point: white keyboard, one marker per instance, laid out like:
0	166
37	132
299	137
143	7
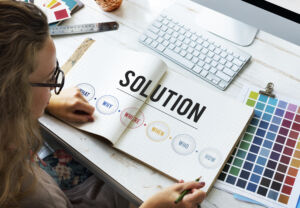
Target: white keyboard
201	53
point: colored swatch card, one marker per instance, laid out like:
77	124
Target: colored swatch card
265	164
71	4
55	10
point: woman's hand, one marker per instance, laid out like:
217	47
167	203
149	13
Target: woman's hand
166	197
70	105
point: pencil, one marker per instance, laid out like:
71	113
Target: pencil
185	192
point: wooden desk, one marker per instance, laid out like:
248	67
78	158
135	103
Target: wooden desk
273	60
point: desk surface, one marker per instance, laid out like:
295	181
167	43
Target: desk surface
273	60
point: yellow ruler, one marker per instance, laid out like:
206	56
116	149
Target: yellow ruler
77	54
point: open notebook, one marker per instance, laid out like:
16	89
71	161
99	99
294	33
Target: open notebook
160	117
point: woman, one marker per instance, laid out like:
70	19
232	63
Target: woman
29	71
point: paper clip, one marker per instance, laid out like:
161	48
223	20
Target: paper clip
268	90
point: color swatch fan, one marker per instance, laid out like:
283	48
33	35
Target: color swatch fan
265	164
56	10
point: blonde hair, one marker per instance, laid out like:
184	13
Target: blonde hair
23	32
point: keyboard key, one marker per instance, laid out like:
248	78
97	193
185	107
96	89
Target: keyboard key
223	76
187	41
160	39
151	35
201	63
213	70
229	58
203	73
172	40
228	72
164	28
197	69
160	47
196	53
192	44
210	77
171	46
194	37
211	47
195	60
176	28
235	68
181	37
204	51
165	43
183	53
148	41
207	60
217	51
143	37
222	61
228	64
157	24
223	54
169	31
202	57
190	50
154	44
206	67
199	47
216	57
205	44
222	84
167	36
210	54
243	59
189	56
186	63
177	50
175	34
184	47
214	63
237	62
154	29
220	67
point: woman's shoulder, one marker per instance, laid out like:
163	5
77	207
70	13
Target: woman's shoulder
46	192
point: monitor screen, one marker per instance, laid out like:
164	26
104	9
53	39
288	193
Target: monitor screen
278	17
289	9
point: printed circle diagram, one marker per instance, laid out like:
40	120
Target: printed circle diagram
87	90
157	131
133	117
107	104
210	158
183	144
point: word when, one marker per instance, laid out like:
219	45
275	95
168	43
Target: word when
158	131
173	100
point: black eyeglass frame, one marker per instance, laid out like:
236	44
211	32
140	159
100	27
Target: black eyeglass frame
55	76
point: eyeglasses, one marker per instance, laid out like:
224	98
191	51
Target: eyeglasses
57	81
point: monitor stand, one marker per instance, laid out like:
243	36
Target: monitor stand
227	27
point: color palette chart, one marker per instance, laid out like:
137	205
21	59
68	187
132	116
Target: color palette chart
265	164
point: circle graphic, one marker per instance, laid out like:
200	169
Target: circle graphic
183	144
132	117
157	131
210	158
107	104
87	90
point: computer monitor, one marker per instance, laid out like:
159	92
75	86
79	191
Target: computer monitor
278	17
